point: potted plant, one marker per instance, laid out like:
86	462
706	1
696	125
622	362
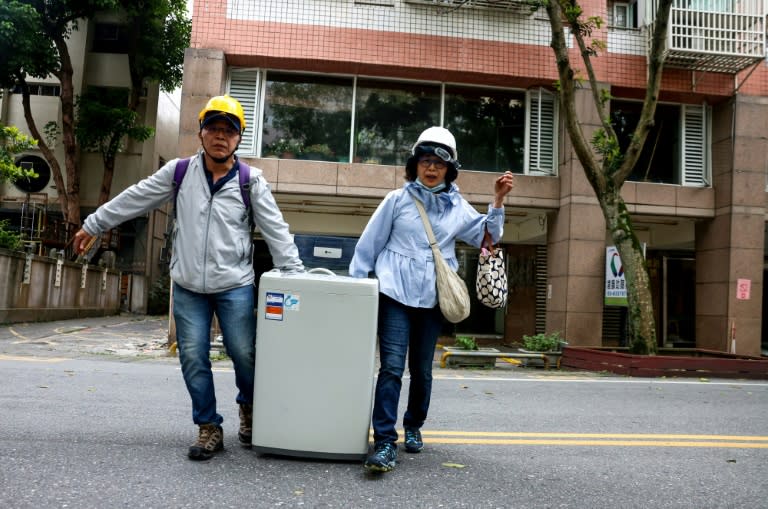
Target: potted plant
318	152
550	344
468	344
543	342
285	148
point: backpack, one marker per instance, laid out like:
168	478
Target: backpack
243	170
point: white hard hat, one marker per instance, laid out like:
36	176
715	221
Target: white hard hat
439	135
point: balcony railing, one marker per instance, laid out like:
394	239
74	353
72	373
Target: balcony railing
519	6
716	35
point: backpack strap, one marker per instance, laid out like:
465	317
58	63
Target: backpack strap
244	171
178	176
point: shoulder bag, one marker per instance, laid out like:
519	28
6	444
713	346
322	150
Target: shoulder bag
452	293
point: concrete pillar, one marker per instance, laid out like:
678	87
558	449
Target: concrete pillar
576	246
730	247
205	73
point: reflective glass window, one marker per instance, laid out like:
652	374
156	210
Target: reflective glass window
390	116
307	117
489	126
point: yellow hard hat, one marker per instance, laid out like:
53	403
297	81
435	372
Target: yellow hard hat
223	106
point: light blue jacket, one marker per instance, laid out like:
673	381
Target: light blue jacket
212	243
394	244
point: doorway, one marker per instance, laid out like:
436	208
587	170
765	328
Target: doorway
679	302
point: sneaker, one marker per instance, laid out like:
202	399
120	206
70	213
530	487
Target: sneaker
209	441
413	442
246	425
383	458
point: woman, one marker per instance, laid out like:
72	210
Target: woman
394	247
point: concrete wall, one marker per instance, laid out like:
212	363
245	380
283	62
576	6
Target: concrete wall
31	292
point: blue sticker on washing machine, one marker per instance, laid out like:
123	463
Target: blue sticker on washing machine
292	302
275	305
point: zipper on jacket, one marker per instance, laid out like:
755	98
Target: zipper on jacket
205	248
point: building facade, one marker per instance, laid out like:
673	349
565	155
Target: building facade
100	60
336	91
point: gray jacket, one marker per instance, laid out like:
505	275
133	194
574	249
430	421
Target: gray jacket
212	247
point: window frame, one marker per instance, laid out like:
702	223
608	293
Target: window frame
698	117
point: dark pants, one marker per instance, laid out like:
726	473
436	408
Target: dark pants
404	330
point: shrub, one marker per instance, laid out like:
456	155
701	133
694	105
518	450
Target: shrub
466	343
543	342
159	296
8	238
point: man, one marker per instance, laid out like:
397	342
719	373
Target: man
211	264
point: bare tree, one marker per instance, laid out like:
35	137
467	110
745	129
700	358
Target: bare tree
607	166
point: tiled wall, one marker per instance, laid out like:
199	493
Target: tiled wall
407	40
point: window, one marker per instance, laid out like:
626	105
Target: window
489	126
376	121
622	15
389	116
676	150
110	38
307	117
39	89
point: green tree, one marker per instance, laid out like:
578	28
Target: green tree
33	42
12	142
605	164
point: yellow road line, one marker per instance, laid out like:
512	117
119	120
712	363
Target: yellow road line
595	439
651	436
613	443
10	329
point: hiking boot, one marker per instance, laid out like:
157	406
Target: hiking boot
210	440
246	425
383	458
413	442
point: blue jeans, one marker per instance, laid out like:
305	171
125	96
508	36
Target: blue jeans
404	330
193	314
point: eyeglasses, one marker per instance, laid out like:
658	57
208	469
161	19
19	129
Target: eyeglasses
227	131
439	164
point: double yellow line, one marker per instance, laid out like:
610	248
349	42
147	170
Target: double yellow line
594	439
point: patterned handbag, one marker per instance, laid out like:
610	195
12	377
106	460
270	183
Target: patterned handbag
491	283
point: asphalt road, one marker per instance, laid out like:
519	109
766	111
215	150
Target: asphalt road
81	428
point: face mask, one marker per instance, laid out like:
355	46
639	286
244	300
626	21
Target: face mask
439	187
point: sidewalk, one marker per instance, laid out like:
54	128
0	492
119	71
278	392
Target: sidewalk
125	335
139	337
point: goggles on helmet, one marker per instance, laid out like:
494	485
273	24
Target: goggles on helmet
437	150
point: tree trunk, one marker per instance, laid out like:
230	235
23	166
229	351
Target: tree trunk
642	324
72	212
48	154
106	179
